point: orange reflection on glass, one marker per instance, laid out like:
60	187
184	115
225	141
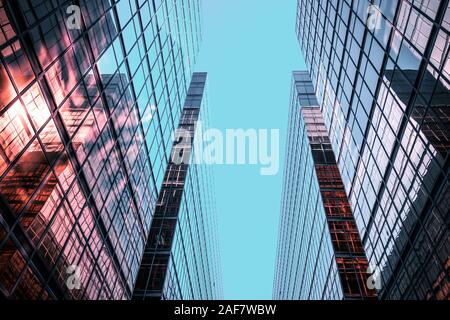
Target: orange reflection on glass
62	76
52	41
36	106
354	277
24	178
15	133
16	275
441	286
7	92
60	216
74	110
6	30
53	145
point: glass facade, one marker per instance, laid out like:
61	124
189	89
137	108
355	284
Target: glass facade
303	220
87	114
381	70
320	253
181	257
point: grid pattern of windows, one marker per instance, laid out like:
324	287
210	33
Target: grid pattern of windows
195	270
306	265
350	256
181	257
86	117
383	87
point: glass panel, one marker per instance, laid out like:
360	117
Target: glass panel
15	133
7	93
36	106
18	65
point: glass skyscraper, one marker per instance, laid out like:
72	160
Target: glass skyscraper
381	74
320	254
184	223
90	97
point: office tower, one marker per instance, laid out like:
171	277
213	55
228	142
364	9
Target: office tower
90	96
180	259
381	74
320	254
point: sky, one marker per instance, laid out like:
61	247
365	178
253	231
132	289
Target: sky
249	50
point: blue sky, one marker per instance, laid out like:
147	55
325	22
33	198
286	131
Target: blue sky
249	50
